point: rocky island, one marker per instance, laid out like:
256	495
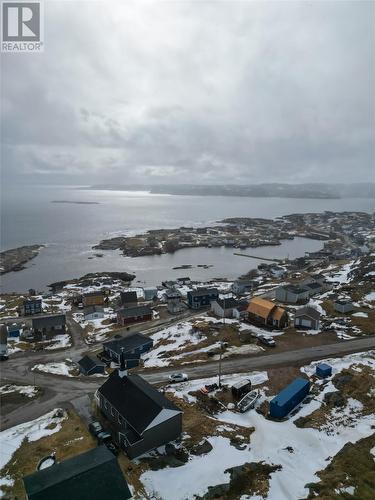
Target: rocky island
16	258
240	233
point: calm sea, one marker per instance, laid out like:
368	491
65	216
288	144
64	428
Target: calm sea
70	230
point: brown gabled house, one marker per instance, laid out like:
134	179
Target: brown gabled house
266	312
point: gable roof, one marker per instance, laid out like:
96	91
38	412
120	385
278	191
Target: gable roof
93	309
278	313
131	312
136	400
128	343
309	311
229	302
93	475
200	292
260	307
95	293
48	321
128	297
88	363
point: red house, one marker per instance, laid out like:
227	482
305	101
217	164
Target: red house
135	314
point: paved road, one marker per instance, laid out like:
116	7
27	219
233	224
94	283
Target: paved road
60	391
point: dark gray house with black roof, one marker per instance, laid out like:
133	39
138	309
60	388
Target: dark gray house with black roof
307	317
139	416
132	347
202	297
48	325
94	475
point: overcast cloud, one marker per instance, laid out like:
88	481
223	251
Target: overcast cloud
198	92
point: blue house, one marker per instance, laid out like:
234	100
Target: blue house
32	306
202	297
132	347
14	331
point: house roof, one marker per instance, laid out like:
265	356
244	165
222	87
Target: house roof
260	307
278	313
93	475
128	343
203	291
94	294
309	311
136	400
32	301
93	309
128	297
295	289
88	363
131	312
229	303
48	321
313	285
172	293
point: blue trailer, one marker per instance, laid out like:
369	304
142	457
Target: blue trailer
323	370
289	398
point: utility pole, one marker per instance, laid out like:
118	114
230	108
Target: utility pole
220	357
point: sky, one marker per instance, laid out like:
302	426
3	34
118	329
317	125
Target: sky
203	92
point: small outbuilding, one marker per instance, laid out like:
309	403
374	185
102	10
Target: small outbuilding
90	366
93	312
323	370
150	293
343	306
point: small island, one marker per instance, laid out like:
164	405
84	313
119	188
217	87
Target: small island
72	202
16	258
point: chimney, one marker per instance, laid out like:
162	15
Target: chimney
122	371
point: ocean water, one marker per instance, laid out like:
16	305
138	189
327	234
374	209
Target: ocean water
69	231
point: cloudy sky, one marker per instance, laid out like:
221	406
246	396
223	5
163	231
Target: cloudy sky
193	91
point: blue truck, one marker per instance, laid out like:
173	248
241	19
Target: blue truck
289	398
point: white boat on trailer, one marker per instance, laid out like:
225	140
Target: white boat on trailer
248	401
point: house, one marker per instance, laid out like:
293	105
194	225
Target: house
48	325
140	417
307	317
150	293
174	301
223	307
184	280
93	312
343	306
242	286
202	297
313	287
128	299
132	347
292	294
32	306
240	311
94	475
93	299
277	271
136	314
89	365
266	312
14	331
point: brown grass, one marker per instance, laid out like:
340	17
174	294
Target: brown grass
71	440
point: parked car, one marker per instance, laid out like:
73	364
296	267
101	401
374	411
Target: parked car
95	428
104	437
268	341
178	377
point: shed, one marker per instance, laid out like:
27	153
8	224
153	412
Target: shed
289	398
93	312
307	317
150	293
241	388
89	366
323	370
343	306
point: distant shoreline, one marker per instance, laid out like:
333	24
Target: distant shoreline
296	191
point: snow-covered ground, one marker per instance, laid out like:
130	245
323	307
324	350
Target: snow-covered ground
11	439
301	452
65	368
60	342
26	390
